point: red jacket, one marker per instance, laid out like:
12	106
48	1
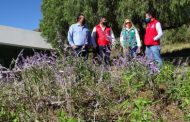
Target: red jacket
151	32
102	36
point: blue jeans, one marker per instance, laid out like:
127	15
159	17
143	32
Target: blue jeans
133	52
153	53
130	52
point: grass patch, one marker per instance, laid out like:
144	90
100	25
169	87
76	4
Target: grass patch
174	47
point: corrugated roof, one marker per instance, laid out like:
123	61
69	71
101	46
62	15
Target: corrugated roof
22	38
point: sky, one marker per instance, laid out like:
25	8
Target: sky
25	14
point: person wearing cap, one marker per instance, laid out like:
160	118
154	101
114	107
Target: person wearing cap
130	40
102	38
152	38
79	37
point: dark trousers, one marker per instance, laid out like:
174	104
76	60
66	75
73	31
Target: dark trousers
81	51
104	54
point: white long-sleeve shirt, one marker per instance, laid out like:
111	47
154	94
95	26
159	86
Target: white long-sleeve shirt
159	31
136	36
93	36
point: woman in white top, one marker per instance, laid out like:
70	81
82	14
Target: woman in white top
130	39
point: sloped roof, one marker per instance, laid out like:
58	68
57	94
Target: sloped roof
22	38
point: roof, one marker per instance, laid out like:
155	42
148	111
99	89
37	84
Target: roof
22	38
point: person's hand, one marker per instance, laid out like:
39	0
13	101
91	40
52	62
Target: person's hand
138	49
155	39
74	47
122	45
113	45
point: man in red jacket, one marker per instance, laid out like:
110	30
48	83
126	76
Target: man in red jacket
152	38
102	38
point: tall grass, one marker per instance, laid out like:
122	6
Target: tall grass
67	89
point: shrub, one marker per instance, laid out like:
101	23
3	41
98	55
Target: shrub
178	35
51	88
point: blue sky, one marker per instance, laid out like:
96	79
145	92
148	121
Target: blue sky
24	14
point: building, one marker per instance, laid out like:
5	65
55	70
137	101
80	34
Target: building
13	40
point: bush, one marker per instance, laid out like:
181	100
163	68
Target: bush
178	35
50	88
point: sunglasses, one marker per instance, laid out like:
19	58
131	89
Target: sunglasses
128	23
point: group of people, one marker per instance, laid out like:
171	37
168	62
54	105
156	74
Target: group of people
102	38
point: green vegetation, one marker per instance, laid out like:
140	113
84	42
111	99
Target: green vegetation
67	89
71	90
169	48
176	39
58	15
178	35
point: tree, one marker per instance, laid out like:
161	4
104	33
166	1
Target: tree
58	15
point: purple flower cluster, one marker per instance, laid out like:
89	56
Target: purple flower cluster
36	60
126	62
6	73
50	59
21	63
148	63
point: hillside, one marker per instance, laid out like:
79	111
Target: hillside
67	89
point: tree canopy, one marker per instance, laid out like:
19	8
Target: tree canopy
58	15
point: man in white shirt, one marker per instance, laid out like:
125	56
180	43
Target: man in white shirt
152	38
102	37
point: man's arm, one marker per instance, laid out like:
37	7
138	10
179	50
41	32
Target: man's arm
112	36
138	41
159	31
93	37
121	39
70	36
138	38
